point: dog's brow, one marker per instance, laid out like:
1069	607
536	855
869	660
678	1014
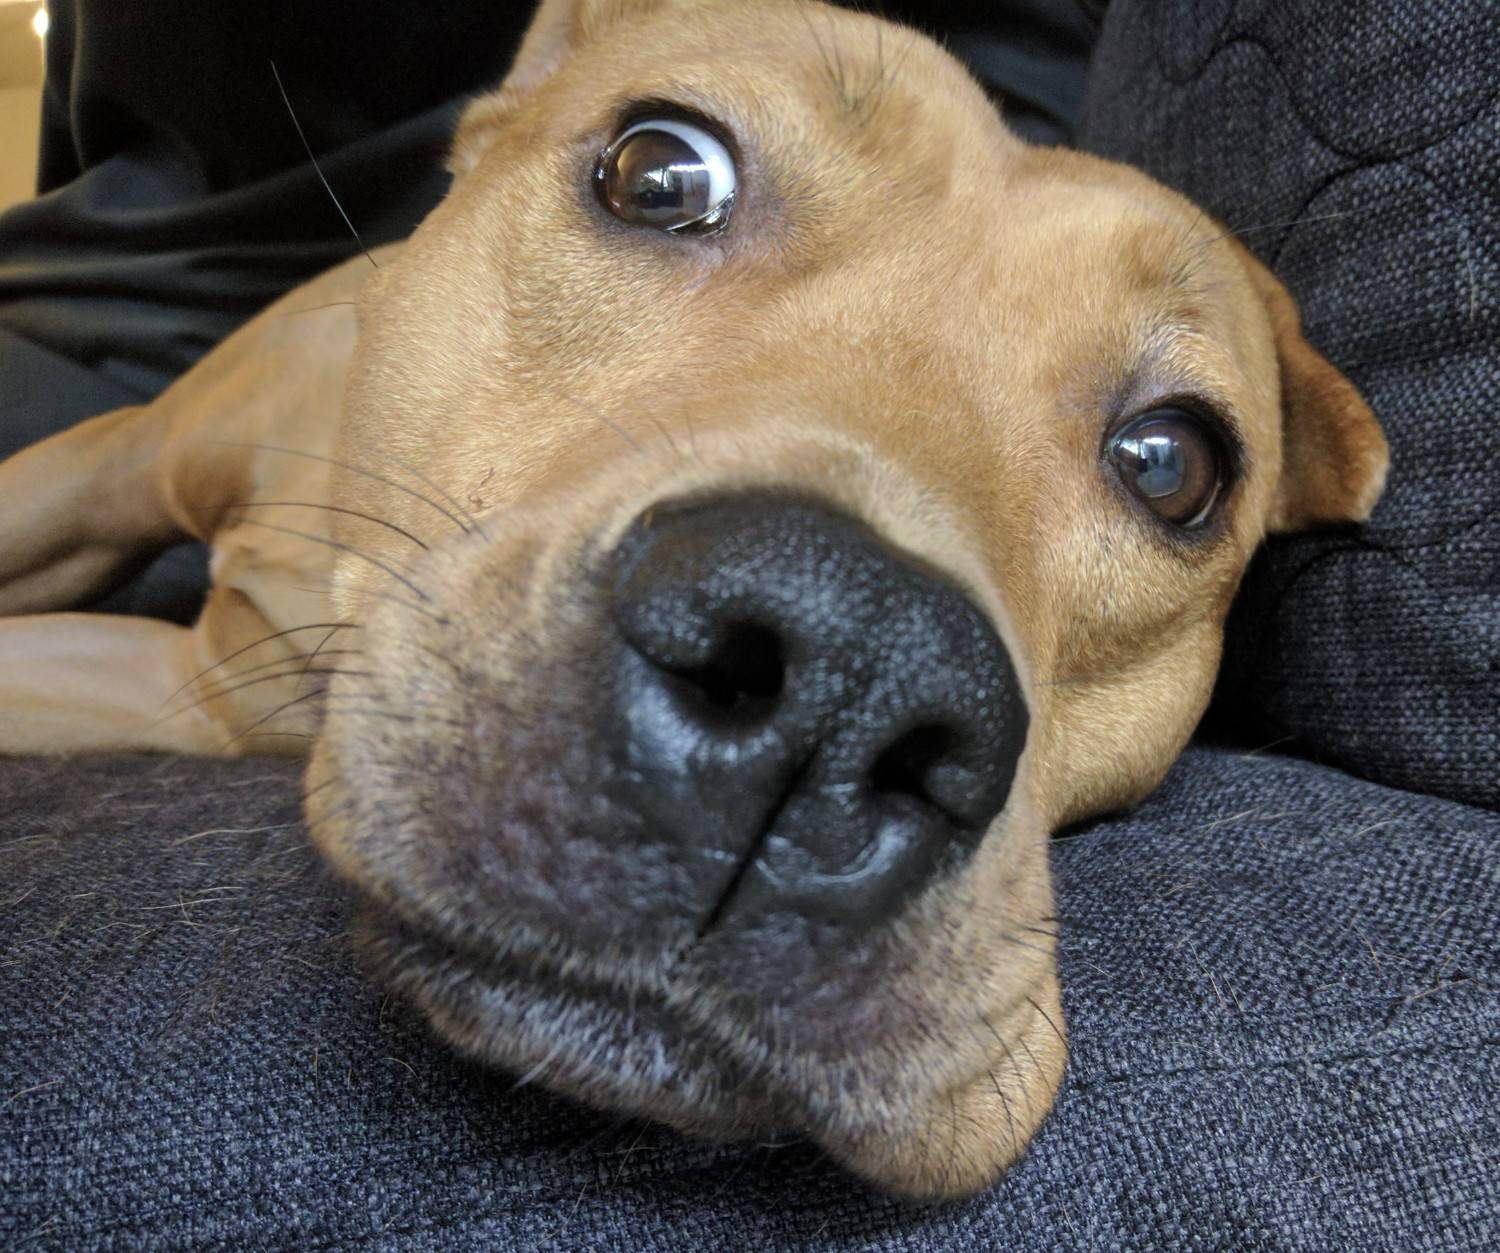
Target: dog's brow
859	101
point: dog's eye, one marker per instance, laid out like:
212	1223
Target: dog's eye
670	174
1167	459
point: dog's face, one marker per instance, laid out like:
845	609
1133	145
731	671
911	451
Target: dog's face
795	563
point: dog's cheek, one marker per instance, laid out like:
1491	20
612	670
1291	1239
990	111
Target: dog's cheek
965	1138
944	1128
963	1092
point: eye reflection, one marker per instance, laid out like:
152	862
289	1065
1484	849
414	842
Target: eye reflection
669	174
1171	463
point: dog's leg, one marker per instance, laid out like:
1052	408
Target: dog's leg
79	509
236	453
231	685
82	681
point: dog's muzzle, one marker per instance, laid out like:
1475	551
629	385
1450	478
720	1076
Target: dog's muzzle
812	723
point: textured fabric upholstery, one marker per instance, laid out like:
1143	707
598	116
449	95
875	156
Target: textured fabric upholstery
1356	149
1281	986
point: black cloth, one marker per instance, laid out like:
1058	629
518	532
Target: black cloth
1356	150
1282	986
177	198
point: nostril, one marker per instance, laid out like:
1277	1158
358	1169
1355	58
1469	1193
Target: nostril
804	720
903	768
744	675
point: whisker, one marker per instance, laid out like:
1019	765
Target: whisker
312	504
457	669
264	639
444	493
313	791
369	474
391	715
264	678
289	659
343	807
1062	1039
999	1089
1019	943
589	409
343	548
409	710
1015	1066
822	51
285	659
1277	225
288	102
318	648
260	722
440	619
332	304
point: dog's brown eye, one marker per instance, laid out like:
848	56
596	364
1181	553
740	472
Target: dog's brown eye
1167	459
670	174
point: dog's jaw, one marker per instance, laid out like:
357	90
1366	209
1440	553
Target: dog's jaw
921	1093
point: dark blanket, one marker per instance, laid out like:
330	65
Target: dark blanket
1281	985
1356	148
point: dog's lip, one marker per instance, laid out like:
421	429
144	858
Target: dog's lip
628	1042
514	958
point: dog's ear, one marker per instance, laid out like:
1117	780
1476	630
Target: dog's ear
559	28
1334	457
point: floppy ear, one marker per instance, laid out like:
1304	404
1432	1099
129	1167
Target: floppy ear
559	27
1334	457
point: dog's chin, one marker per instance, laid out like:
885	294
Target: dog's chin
624	1040
656	1040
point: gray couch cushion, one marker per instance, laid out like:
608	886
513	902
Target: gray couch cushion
1356	149
1281	986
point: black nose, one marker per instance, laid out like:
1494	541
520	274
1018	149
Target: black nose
808	721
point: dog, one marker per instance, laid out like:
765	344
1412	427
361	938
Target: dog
706	561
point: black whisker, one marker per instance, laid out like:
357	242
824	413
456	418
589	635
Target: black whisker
440	619
1035	948
344	806
288	102
1062	1039
332	304
999	1089
312	504
260	722
589	409
264	639
318	648
1015	1066
409	710
287	659
343	548
354	469
444	493
448	661
822	51
229	690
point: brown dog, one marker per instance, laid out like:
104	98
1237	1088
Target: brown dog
769	499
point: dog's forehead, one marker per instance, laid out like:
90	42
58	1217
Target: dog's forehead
864	131
884	213
813	89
